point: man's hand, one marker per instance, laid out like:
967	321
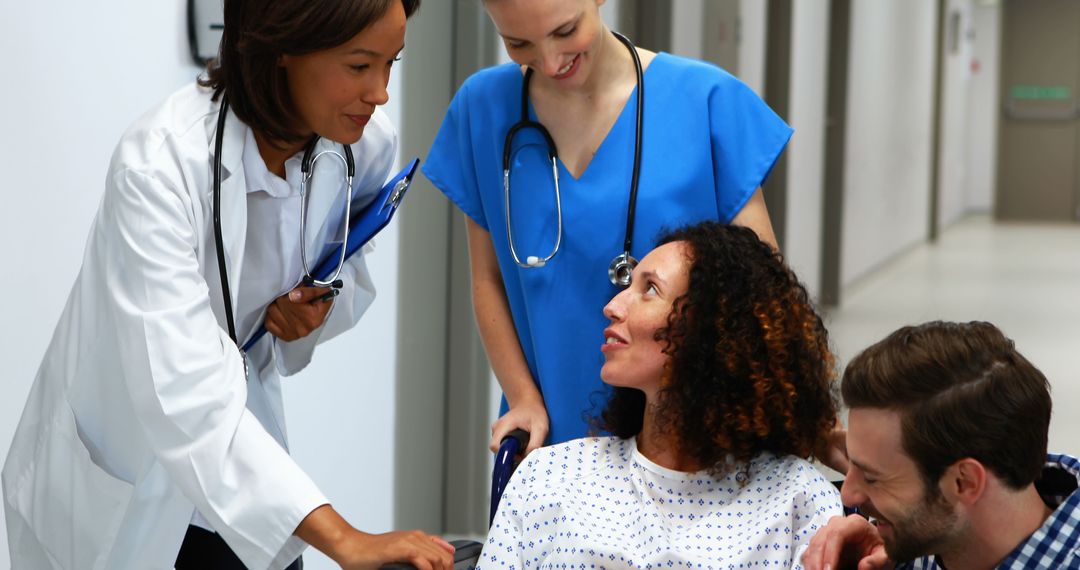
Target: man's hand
846	542
302	310
833	449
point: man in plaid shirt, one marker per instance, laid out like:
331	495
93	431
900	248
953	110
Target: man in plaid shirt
947	443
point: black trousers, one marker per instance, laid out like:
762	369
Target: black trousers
205	550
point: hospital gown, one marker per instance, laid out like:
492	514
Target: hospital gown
598	503
708	142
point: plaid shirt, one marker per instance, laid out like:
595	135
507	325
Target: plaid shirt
1056	544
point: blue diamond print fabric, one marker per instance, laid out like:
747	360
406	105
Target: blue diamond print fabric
598	503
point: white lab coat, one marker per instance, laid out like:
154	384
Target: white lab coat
139	412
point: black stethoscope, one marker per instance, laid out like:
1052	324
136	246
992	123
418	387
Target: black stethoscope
621	268
310	157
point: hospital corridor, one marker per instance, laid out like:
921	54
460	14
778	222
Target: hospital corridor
270	307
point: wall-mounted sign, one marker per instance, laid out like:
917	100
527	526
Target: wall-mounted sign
1040	92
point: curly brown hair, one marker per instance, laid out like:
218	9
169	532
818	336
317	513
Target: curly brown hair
749	365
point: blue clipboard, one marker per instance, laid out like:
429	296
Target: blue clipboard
365	224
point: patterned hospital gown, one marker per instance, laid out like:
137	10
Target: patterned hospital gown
598	503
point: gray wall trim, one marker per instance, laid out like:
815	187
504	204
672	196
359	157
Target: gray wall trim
778	96
423	263
647	23
835	150
466	490
934	219
443	376
720	34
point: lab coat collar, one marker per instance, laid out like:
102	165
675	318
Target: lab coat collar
260	179
232	151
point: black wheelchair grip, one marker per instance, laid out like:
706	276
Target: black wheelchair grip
521	436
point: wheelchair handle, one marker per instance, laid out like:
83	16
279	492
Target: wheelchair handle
511	446
520	435
466	554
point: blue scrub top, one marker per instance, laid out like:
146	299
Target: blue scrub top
708	142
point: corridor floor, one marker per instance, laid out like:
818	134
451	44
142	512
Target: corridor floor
1024	278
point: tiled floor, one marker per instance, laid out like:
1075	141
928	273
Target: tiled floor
1023	278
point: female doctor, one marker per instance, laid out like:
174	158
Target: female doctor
149	439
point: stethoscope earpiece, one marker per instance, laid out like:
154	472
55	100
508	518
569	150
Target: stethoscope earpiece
621	270
306	165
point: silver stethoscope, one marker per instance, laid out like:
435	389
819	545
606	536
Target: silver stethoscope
306	171
621	268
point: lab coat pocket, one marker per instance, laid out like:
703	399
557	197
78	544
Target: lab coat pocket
73	506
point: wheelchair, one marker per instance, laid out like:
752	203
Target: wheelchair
467	552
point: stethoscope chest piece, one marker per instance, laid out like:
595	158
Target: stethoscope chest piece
622	269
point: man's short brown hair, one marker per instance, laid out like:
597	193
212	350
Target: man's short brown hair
258	32
962	390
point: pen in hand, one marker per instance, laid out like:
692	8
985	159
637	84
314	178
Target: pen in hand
327	296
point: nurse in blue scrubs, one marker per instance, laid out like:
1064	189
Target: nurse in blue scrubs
708	143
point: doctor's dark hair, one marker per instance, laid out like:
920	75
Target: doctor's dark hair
749	368
258	32
962	391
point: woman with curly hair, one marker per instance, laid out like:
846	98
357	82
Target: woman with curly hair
723	389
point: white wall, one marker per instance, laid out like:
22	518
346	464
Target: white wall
982	109
969	112
956	94
890	112
753	23
687	30
806	151
70	89
609	12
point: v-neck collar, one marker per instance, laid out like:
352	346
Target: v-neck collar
626	108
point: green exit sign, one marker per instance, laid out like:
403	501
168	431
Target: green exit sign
1041	92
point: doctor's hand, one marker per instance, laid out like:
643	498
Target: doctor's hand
352	549
423	551
298	313
529	415
847	542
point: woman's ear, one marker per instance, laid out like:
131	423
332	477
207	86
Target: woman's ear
964	481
